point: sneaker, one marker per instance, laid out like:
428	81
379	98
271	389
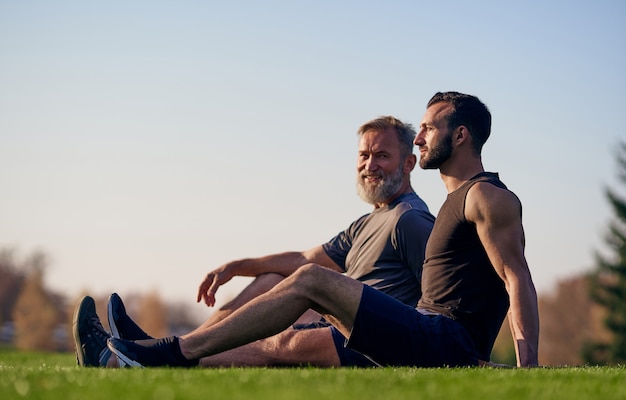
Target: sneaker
122	326
150	353
89	335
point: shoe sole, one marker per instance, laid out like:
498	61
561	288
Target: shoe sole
123	357
114	331
86	301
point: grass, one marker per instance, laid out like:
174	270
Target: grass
55	376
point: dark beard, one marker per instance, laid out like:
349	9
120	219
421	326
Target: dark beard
381	193
438	154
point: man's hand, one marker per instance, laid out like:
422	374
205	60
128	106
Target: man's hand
211	282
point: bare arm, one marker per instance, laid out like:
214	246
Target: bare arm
281	263
497	215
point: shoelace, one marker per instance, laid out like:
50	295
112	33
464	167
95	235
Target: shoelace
102	336
98	329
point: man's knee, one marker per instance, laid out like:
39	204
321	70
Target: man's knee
310	276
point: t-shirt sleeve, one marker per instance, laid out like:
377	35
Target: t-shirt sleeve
338	247
411	234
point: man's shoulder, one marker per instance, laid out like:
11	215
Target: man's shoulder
414	212
490	191
412	201
484	198
416	209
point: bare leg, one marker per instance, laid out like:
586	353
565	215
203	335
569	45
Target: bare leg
261	284
257	287
289	348
312	286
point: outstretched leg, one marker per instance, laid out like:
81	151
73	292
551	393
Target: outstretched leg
331	294
291	347
261	284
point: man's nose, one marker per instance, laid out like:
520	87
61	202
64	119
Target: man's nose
419	139
371	164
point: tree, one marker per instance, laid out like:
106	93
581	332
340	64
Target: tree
153	315
564	332
11	281
35	315
608	281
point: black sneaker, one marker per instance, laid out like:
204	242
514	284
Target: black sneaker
122	326
150	353
89	335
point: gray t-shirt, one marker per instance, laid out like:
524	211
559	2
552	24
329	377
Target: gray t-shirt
385	248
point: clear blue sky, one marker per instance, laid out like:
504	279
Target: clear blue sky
145	143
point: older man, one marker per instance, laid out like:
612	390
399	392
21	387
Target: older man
383	249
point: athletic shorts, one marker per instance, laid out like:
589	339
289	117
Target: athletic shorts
394	334
347	357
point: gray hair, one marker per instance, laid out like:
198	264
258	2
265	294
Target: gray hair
406	132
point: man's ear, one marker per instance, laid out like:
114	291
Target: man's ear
461	134
410	163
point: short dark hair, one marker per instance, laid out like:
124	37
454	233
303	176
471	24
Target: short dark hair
406	132
469	111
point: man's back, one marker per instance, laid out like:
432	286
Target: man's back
458	278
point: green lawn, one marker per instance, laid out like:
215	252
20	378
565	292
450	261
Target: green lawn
55	376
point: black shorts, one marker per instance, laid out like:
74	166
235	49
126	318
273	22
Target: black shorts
394	334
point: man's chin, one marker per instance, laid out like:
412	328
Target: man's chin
429	166
367	196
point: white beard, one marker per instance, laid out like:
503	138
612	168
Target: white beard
381	192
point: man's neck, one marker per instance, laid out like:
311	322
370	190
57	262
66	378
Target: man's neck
453	176
404	190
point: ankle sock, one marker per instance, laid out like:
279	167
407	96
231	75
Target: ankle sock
168	352
178	354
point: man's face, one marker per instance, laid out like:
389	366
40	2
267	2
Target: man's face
380	166
434	137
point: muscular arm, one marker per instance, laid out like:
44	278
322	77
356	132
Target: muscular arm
281	263
497	215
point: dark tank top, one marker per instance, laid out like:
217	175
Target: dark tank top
458	280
